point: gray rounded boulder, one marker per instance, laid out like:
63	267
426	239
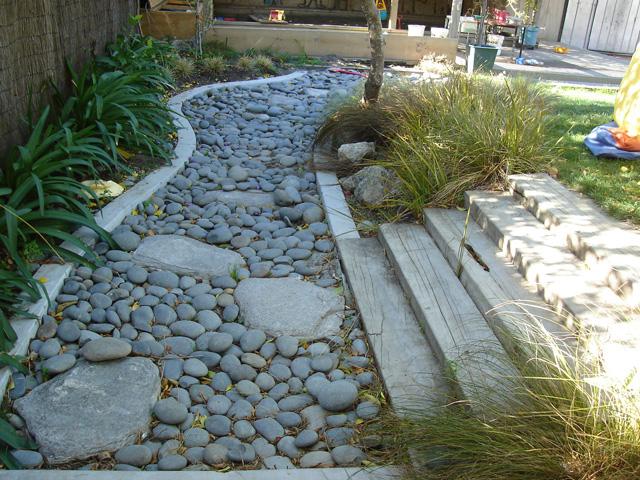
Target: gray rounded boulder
104	349
338	396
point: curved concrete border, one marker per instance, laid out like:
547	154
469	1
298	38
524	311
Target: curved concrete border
52	276
376	473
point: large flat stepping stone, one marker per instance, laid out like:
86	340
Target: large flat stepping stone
92	408
248	199
186	256
286	306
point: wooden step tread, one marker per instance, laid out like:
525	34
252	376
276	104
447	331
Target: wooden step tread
489	277
455	328
411	372
543	259
604	243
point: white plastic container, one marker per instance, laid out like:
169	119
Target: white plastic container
439	32
416	30
496	41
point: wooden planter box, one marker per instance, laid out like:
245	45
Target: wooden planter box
174	18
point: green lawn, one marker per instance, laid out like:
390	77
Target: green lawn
613	184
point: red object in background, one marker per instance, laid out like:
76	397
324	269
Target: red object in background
501	16
347	72
276	15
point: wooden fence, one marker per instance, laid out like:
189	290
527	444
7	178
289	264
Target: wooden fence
37	37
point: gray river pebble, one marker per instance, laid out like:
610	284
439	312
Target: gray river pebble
235	393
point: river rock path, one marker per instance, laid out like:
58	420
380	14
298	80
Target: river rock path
216	333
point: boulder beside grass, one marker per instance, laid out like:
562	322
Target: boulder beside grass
355	153
372	186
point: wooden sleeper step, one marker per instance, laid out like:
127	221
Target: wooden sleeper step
457	332
489	277
606	245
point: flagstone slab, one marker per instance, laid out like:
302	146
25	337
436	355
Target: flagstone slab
186	256
287	306
92	408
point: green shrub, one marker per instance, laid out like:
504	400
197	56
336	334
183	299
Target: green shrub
40	203
245	63
40	199
183	67
219	49
557	421
214	65
264	64
150	58
121	109
442	138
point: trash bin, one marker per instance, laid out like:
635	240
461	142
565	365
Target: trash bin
481	58
530	37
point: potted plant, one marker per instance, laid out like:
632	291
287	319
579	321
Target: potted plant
481	56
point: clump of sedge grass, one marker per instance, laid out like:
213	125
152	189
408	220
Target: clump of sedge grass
214	65
245	62
555	422
264	64
436	64
443	138
183	67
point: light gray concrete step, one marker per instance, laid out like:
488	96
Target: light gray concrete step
489	277
608	246
458	333
410	371
544	260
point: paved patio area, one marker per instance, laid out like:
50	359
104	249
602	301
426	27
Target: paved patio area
577	66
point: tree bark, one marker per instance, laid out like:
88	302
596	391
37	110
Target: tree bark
374	80
454	24
393	14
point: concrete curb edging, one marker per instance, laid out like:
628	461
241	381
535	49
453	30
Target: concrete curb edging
52	276
380	473
335	205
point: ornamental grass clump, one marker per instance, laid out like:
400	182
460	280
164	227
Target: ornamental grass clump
214	65
558	421
183	67
264	64
444	137
245	62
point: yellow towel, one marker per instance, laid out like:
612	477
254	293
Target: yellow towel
627	108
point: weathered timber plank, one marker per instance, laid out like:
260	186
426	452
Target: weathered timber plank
455	328
544	260
491	279
406	362
606	245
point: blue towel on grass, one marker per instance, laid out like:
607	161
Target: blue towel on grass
602	144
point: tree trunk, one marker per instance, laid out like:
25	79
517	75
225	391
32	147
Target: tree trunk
393	14
454	24
374	80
